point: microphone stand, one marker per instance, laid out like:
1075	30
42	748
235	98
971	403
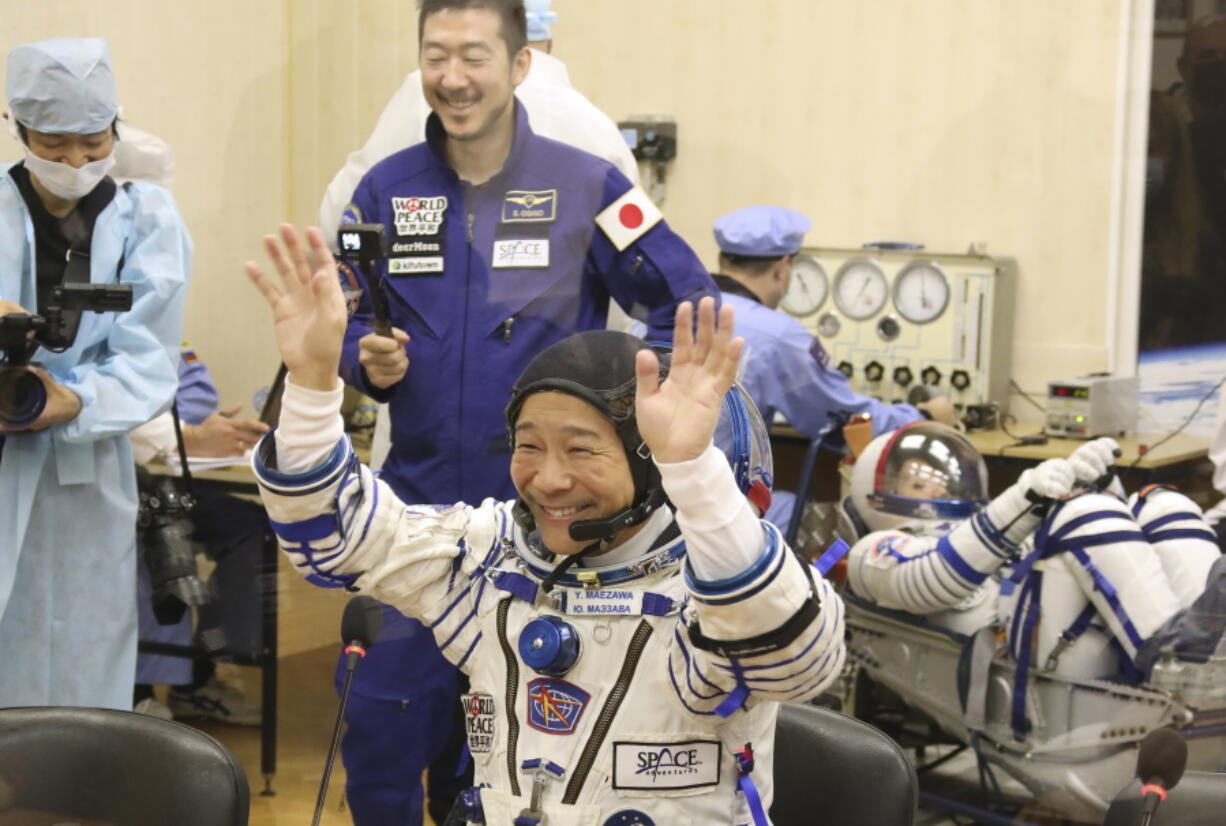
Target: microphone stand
355	652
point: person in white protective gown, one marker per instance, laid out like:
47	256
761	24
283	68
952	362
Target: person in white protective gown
1080	577
67	481
622	657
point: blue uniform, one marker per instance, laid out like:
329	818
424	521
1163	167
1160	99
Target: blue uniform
482	279
786	370
68	585
477	308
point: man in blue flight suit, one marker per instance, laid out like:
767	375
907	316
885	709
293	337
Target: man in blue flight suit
501	244
785	369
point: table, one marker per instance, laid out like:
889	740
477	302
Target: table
1181	460
1177	460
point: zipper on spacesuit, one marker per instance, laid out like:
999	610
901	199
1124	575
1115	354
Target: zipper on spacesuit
471	219
605	721
512	692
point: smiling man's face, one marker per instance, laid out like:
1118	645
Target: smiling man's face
568	465
467	75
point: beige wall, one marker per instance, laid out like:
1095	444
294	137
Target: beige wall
941	121
210	79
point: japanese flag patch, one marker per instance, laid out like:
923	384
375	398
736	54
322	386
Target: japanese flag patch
625	220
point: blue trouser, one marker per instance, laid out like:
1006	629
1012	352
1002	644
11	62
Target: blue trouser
402	716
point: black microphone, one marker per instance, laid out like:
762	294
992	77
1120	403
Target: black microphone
359	627
1160	763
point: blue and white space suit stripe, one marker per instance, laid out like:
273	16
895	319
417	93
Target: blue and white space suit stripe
455	568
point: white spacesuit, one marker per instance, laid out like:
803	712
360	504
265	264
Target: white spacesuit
630	688
1079	578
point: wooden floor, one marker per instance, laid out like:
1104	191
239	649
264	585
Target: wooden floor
306	708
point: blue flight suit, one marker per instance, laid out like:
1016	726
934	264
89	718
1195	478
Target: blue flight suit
475	321
786	370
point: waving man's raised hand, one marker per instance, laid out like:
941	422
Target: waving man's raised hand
307	306
677	418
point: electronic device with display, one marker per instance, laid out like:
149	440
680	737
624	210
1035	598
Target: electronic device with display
1091	406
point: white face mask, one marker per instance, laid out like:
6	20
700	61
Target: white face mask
66	181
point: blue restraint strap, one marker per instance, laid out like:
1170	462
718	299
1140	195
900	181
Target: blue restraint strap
1079	625
831	556
1145	494
1109	593
1032	589
736	699
745	784
657	605
517	585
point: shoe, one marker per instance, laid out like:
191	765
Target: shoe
215	700
153	708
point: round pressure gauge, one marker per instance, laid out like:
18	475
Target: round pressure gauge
921	292
828	325
860	288
808	287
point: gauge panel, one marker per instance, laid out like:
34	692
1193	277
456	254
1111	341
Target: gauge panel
808	287
828	325
921	291
861	288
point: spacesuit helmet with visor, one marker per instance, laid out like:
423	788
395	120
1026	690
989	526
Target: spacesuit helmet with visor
921	471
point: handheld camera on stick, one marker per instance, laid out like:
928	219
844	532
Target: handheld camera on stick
366	244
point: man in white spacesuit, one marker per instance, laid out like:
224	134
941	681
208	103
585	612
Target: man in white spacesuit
625	661
1080	578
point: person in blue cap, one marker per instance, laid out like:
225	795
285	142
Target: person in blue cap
68	495
786	370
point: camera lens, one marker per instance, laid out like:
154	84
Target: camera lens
22	396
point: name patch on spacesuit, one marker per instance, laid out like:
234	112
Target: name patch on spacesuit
555	706
521	252
604	601
414	265
689	764
479	716
522	207
419	215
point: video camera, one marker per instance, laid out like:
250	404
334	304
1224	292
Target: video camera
22	394
366	244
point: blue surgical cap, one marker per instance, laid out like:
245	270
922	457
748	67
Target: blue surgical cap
62	85
539	18
764	231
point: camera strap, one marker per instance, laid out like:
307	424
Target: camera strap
184	471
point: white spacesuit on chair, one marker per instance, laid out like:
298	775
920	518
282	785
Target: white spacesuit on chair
1032	621
1056	560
